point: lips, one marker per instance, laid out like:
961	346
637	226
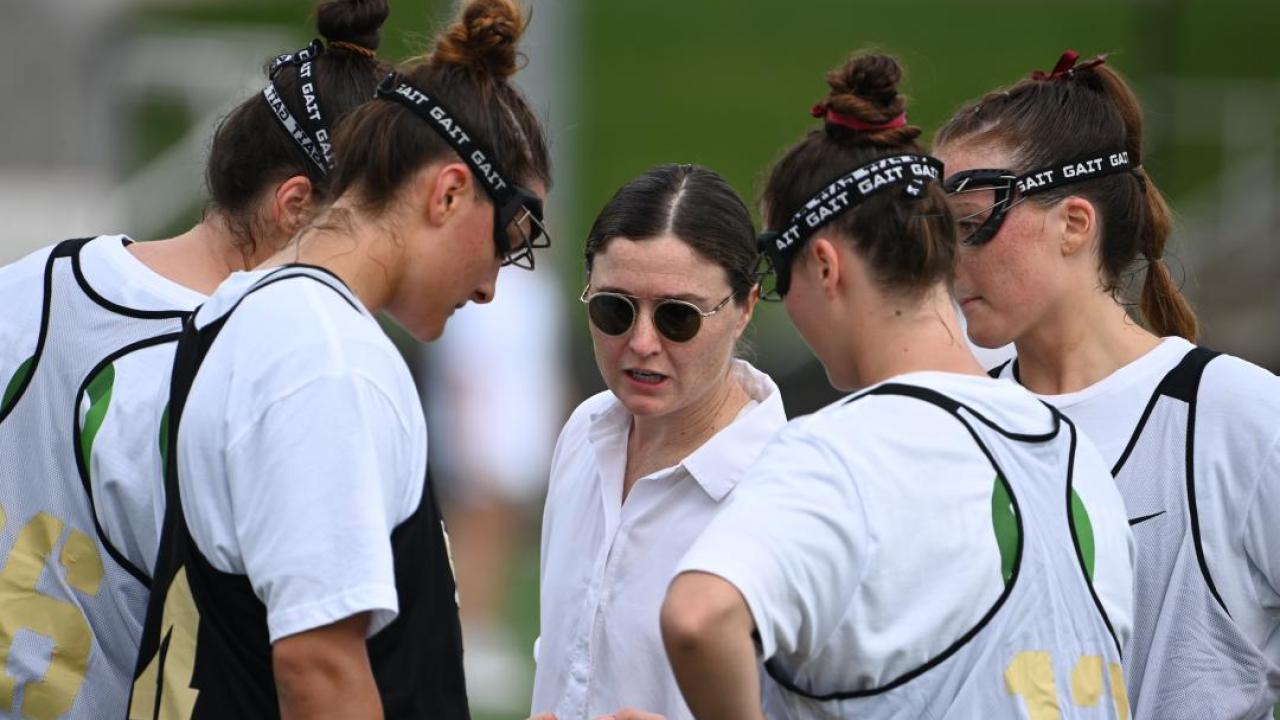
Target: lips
645	377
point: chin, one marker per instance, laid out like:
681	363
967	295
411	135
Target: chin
644	405
426	332
985	336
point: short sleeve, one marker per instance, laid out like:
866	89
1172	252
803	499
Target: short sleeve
791	538
317	484
1262	531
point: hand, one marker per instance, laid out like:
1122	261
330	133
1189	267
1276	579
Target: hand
631	714
544	716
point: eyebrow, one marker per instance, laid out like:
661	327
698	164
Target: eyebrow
687	297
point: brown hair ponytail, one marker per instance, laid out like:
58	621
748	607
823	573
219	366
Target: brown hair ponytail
1085	111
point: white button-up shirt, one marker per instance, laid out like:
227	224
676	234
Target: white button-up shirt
606	564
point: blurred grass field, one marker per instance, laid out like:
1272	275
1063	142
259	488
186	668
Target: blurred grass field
729	84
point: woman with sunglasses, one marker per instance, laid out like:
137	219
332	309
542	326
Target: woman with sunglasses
641	467
1057	210
303	568
938	545
86	343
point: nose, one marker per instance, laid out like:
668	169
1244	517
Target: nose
484	294
644	340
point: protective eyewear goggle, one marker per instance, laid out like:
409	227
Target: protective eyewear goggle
1008	189
677	320
518	229
979	226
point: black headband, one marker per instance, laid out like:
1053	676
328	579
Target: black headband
446	125
312	133
1006	185
838	197
511	202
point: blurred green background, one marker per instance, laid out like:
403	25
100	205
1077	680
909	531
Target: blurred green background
729	85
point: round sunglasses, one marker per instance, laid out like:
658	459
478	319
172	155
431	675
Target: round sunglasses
677	320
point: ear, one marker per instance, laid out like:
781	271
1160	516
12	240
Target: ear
1079	225
824	259
291	204
745	318
447	189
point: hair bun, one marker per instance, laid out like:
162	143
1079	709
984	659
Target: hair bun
483	38
866	88
358	22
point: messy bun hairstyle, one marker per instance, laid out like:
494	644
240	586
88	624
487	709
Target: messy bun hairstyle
250	150
908	243
468	70
1084	112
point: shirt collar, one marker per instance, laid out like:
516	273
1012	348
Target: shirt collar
721	461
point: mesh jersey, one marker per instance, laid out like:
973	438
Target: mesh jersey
1188	659
1046	648
206	650
71	603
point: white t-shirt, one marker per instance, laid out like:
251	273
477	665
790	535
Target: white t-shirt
302	446
606	564
829	536
1237	469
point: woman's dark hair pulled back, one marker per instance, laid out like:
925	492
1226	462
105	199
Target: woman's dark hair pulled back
469	69
1086	112
909	243
689	202
250	150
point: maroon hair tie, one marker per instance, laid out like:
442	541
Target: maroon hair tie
1067	67
824	111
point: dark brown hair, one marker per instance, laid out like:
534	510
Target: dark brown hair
691	203
251	151
1086	112
383	143
909	244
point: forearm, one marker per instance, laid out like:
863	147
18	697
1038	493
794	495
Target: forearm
324	674
707	630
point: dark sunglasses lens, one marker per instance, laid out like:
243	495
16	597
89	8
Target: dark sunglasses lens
612	315
677	321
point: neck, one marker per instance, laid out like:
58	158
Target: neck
352	246
669	438
904	334
1079	344
200	258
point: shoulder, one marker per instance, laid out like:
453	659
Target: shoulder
300	336
581	418
1238	405
21	308
1239	395
1231	380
